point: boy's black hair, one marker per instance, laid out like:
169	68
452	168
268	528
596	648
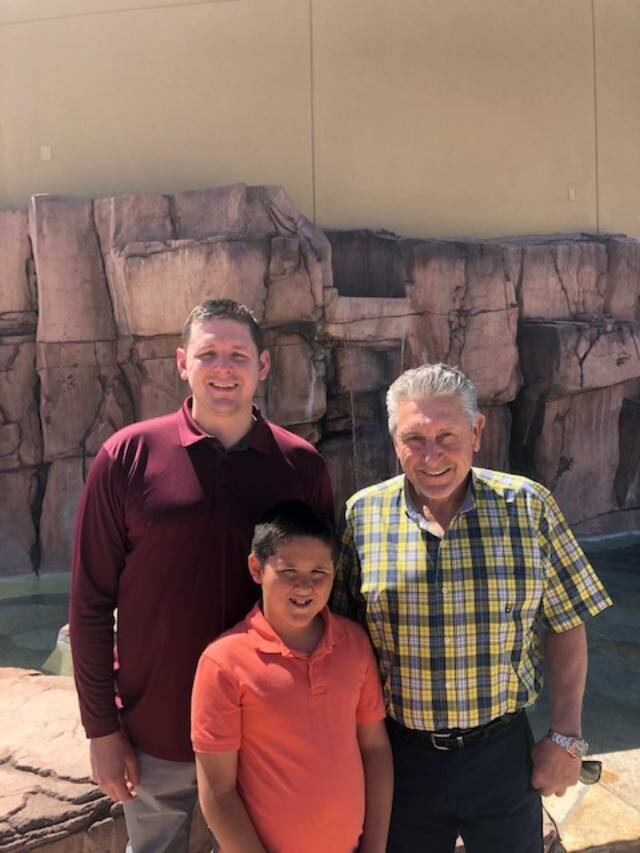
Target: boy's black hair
284	521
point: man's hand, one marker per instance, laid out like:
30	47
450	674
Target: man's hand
554	770
114	766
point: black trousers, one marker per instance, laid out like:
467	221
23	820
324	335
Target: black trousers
481	792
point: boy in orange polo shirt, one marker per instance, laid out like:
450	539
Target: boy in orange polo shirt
288	727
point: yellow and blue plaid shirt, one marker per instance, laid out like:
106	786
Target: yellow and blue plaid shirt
457	622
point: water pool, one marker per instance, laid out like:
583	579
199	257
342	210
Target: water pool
32	611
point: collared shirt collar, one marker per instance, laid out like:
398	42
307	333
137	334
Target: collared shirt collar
468	503
265	639
258	438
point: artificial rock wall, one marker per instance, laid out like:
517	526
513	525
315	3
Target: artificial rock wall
93	294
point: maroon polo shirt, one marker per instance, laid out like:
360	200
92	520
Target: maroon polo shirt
163	532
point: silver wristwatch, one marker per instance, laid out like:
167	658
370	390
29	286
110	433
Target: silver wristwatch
575	746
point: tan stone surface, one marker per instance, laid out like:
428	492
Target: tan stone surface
623	278
296	390
73	298
357	460
569	445
150	367
83	397
359	369
155	285
366	320
47	798
15	287
290	293
65	478
18	500
20	436
235	212
619	822
563	279
563	358
465	310
132	219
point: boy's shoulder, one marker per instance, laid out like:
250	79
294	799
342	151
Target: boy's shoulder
352	631
229	645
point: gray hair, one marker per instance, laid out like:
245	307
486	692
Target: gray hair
431	380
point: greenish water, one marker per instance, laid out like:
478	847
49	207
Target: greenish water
32	611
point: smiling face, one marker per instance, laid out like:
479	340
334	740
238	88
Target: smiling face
435	441
296	583
223	369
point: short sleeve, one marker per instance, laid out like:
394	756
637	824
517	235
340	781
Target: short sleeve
371	704
573	591
216	714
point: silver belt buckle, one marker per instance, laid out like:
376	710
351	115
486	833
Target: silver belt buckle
435	744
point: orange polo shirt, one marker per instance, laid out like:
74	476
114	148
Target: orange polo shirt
293	718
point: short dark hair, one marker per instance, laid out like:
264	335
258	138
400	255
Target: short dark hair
223	309
283	522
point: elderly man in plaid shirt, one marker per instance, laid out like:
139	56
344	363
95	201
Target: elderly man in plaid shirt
464	579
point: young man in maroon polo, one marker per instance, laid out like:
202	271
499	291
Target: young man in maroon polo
163	529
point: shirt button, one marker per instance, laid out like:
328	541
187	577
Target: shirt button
448	684
445	589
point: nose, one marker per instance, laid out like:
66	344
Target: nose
303	583
431	450
223	362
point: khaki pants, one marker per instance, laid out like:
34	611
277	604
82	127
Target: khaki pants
159	818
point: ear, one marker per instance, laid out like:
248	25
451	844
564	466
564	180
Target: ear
264	361
181	361
255	568
478	426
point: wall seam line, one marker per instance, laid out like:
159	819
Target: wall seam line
595	117
312	124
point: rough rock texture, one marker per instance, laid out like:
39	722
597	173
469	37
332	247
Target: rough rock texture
73	299
19	509
296	389
539	324
571	445
63	484
16	281
83	397
464	300
20	435
496	438
627	481
563	279
47	799
566	358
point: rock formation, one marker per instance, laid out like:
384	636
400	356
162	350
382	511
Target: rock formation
93	294
47	798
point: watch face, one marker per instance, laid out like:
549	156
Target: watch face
575	746
578	747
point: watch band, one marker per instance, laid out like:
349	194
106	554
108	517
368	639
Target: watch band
574	745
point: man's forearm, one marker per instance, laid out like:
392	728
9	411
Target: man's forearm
378	775
566	655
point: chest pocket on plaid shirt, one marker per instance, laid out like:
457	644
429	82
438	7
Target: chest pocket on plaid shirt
515	583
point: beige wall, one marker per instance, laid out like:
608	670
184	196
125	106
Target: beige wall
428	118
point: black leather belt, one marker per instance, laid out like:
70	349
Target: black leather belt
455	739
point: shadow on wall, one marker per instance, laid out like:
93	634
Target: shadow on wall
94	293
